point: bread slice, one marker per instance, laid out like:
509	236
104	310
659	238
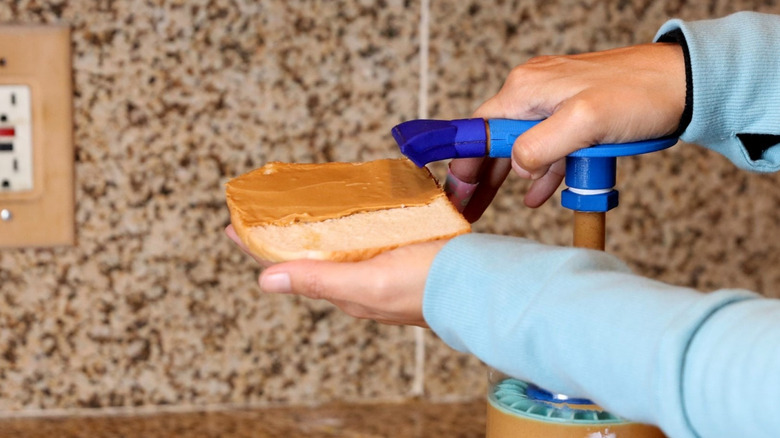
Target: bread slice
352	236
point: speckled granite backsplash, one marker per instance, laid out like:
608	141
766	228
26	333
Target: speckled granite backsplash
155	306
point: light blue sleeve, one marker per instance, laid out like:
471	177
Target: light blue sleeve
579	322
735	66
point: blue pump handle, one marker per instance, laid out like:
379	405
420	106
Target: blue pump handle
504	132
591	168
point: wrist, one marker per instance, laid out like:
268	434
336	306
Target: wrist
677	38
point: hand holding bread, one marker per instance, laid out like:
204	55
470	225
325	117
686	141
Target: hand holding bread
375	228
387	288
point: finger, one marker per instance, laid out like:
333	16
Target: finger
572	127
368	289
346	281
357	283
458	192
544	187
492	176
494	108
231	233
349	286
467	169
311	278
511	102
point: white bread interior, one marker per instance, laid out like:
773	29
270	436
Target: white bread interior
354	237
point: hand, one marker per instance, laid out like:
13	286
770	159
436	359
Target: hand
387	288
614	96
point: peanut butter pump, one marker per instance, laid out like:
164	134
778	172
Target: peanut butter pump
515	408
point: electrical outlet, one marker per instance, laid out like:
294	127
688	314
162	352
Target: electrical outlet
36	137
16	163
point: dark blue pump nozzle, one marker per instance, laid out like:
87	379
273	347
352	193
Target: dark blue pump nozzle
424	141
590	172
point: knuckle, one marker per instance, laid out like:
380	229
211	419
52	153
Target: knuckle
354	310
546	62
312	285
558	169
584	113
518	74
541	59
527	154
378	293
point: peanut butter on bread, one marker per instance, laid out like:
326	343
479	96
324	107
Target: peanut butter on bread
285	193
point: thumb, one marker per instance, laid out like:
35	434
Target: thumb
314	279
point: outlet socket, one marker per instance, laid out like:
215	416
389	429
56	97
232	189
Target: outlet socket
36	137
16	160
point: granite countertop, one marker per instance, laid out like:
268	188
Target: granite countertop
411	419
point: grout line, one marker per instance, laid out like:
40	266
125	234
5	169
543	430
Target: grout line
418	384
122	411
232	408
422	107
152	409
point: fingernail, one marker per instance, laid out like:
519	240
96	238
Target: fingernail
277	283
458	192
